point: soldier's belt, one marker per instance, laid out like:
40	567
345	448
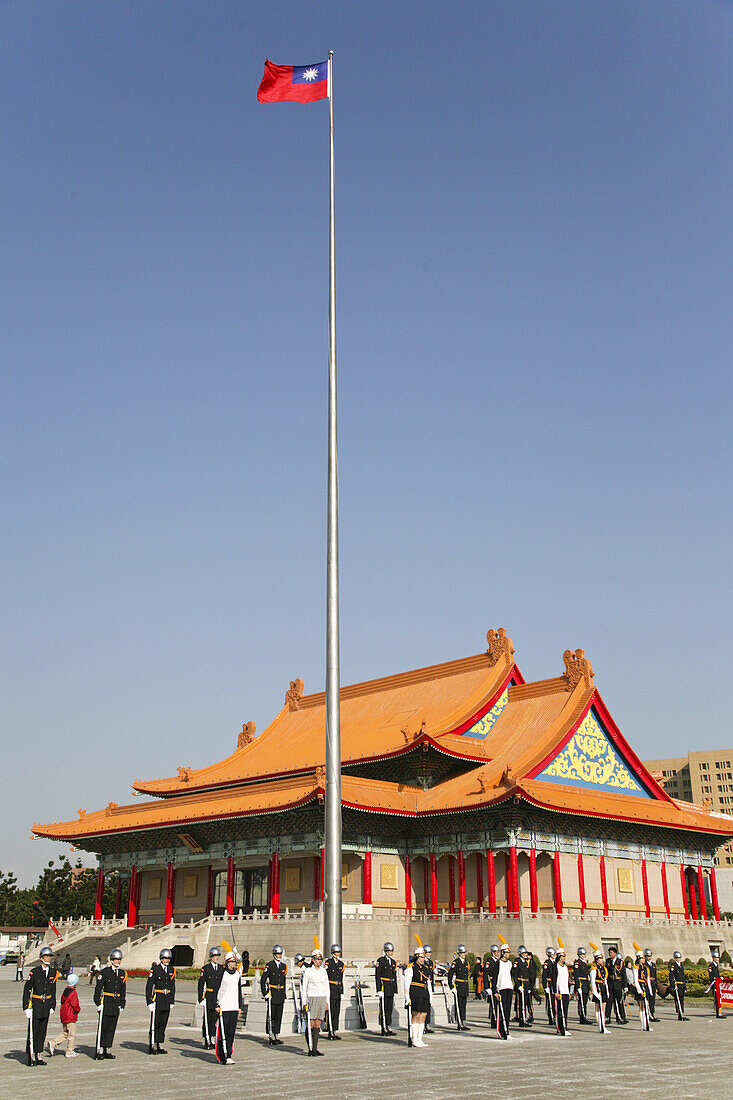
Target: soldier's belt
464	980
40	996
207	990
277	987
110	994
161	991
421	984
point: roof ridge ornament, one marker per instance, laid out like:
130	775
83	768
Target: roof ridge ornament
577	668
246	737
184	774
499	643
422	732
321	776
294	694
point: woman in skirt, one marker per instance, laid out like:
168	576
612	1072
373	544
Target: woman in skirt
417	997
314	994
229	1004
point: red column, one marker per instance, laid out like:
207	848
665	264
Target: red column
683	879
451	885
367	878
479	881
118	897
714	894
461	882
132	898
433	884
645	887
513	884
604	888
426	882
323	873
701	893
138	891
275	894
533	882
170	894
492	882
558	883
230	885
316	878
693	899
581	882
408	886
99	900
665	891
210	892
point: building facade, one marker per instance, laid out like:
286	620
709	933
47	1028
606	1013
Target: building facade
464	788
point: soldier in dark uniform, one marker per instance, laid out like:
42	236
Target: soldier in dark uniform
599	988
335	971
581	979
110	994
491	967
417	996
39	1004
385	976
678	984
458	976
714	980
652	983
616	985
520	975
548	967
208	988
160	994
430	963
272	984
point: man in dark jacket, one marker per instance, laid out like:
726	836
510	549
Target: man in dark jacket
581	979
616	985
39	1004
385	974
110	995
678	984
160	994
272	984
208	987
335	971
458	974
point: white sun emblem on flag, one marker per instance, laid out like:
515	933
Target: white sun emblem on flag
310	74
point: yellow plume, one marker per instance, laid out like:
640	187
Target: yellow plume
501	938
419	941
636	946
315	943
560	943
226	945
593	945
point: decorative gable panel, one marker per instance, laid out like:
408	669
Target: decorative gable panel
482	727
590	760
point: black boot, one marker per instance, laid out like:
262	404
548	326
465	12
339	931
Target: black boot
107	1054
160	1050
316	1052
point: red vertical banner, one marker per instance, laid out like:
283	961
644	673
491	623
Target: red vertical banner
451	884
426	882
479	881
118	897
230	885
275	898
581	883
138	892
714	894
693	899
323	873
701	894
665	890
316	878
645	888
683	880
433	884
210	892
604	887
491	882
461	882
408	886
99	900
132	898
558	883
367	891
170	894
513	884
269	884
533	903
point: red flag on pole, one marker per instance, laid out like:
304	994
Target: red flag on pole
297	83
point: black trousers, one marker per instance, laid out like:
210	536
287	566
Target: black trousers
334	1008
276	1010
224	1035
583	990
210	1020
678	999
38	1029
562	1003
107	1030
616	1002
492	1008
462	1002
549	1008
522	1004
504	1012
158	1024
388	1002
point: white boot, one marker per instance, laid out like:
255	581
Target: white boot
422	1032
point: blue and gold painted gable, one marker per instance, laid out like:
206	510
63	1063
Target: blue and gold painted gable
482	727
590	760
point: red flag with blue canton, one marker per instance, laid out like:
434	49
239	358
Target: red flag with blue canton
298	83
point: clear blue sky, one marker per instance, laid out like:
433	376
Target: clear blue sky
534	216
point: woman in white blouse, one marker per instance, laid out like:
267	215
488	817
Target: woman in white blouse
314	993
229	1004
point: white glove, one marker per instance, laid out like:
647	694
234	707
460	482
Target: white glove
151	1007
100	1007
51	1011
203	1003
29	1012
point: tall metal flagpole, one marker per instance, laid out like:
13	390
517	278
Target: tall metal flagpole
332	875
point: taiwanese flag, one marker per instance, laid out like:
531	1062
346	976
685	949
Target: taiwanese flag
300	83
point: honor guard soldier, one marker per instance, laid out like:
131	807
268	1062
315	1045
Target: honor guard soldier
491	967
110	993
430	963
616	985
561	992
160	993
547	969
335	971
385	976
714	979
39	1004
581	979
228	1007
207	990
458	977
678	984
653	985
599	989
502	990
272	984
417	997
520	974
641	989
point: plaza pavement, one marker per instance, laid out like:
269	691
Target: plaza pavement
677	1060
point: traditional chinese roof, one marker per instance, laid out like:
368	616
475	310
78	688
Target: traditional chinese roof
551	744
